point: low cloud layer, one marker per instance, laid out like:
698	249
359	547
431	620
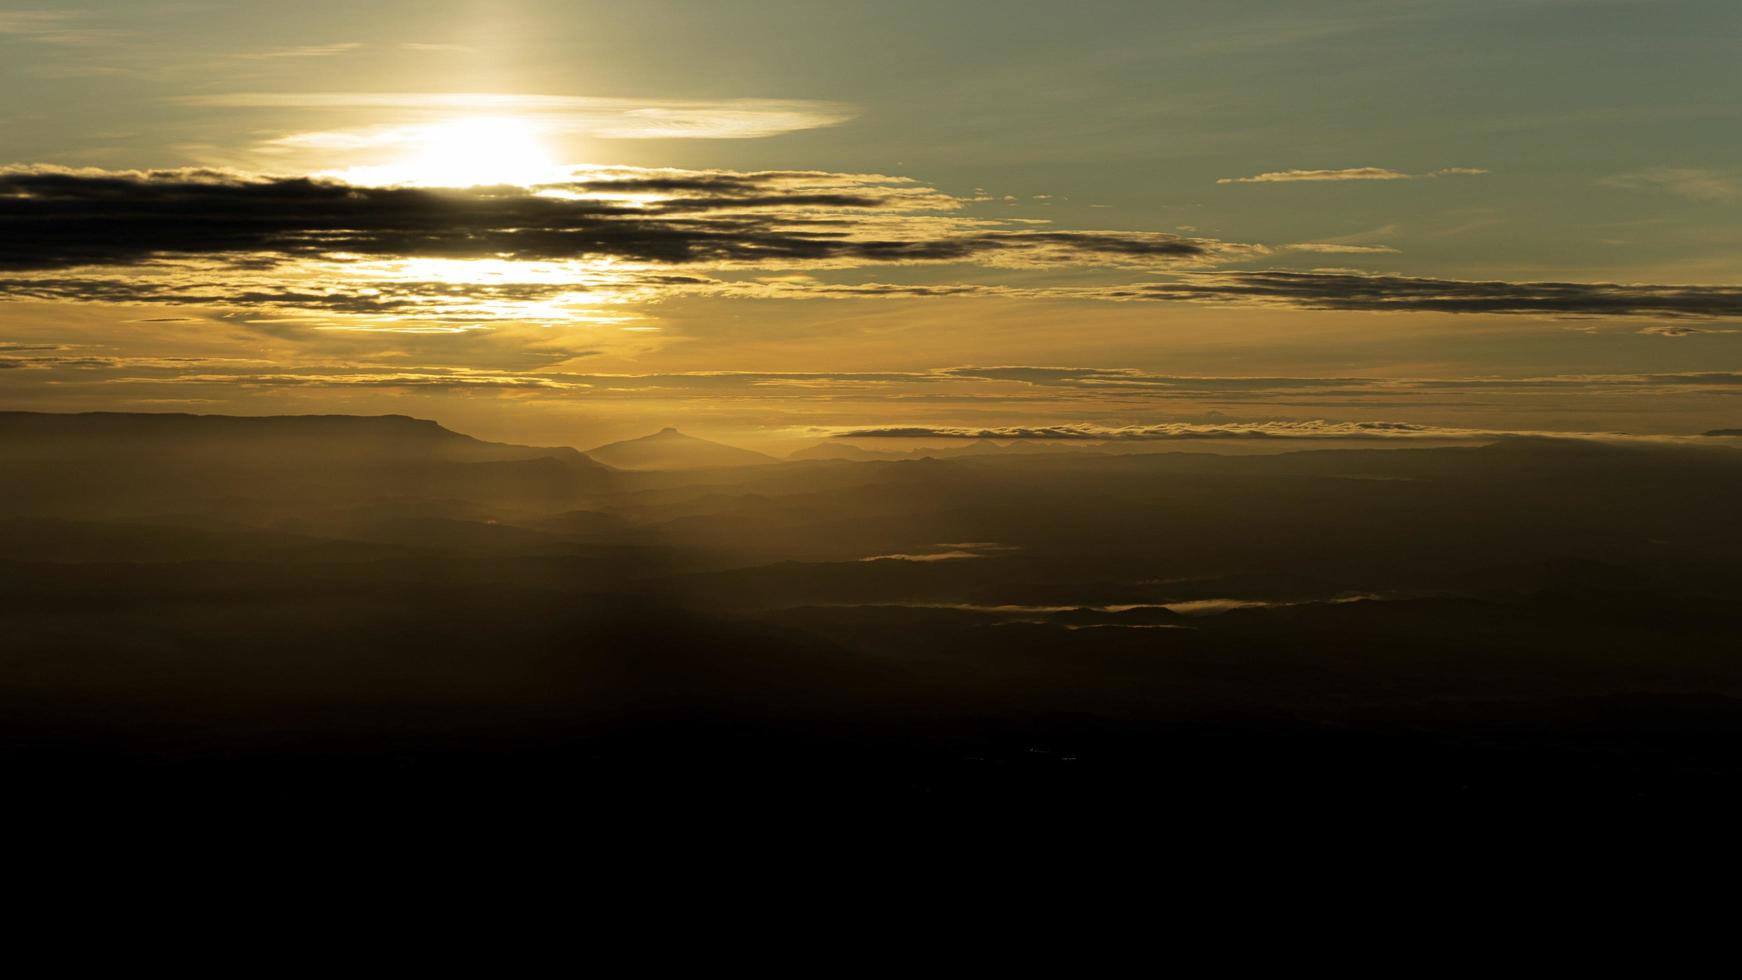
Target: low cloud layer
1312	430
561	367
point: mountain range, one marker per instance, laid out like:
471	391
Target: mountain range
193	591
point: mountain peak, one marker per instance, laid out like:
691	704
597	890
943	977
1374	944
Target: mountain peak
669	449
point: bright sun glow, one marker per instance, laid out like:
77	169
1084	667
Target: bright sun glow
460	153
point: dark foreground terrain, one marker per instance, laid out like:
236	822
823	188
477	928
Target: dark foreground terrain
370	607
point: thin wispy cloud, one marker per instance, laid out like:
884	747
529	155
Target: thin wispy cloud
1693	183
1341	248
1348	173
302	51
70	27
603	118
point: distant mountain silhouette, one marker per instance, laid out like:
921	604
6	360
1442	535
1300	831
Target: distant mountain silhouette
842	450
669	449
294	600
114	463
377	438
831	449
1723	432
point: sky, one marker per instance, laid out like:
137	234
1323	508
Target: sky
773	222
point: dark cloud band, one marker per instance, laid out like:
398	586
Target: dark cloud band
120	237
57	219
1350	291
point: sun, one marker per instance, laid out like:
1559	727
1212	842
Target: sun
488	150
463	152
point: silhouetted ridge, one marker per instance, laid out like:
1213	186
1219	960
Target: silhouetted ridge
112	463
384	436
669	449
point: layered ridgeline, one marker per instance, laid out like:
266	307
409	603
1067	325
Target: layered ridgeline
1032	526
200	588
109	464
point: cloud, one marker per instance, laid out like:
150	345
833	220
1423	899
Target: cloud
343	291
302	51
611	237
1311	430
533	363
1690	182
1370	293
1336	248
1348	173
949	552
601	118
1324	290
1675	330
52	27
57	219
1289	176
1087	432
1127	379
557	292
453	381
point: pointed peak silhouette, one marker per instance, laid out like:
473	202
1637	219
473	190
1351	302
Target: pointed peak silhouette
669	449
